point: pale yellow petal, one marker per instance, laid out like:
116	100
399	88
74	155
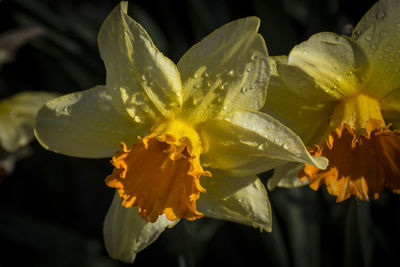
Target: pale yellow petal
308	119
17	116
238	199
325	67
226	71
126	233
246	143
85	124
287	176
137	72
378	33
390	106
8	160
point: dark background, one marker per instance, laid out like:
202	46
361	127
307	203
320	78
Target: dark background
52	207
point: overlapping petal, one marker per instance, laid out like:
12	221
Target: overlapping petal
126	233
378	34
85	124
227	70
284	104
17	117
137	72
260	143
238	199
286	175
325	67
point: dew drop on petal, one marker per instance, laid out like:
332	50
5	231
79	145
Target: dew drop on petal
387	48
137	118
262	147
380	15
286	145
13	114
368	37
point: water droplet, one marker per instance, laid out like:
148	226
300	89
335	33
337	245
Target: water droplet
286	145
380	15
66	109
209	83
137	118
196	101
139	99
244	124
230	73
13	114
254	56
206	74
276	140
368	37
262	147
373	47
250	69
387	48
243	90
143	77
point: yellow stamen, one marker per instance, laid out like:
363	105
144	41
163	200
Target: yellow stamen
363	153
160	174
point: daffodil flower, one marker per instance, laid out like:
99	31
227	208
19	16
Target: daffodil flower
342	94
17	116
192	139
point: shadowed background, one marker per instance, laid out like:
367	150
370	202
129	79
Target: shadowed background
52	207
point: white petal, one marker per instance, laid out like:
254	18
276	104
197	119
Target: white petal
286	175
85	124
238	199
226	71
136	70
17	116
248	142
126	233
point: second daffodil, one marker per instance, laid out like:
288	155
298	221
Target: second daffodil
192	140
343	96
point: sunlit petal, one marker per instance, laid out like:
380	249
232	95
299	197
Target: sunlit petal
238	199
126	233
227	70
85	124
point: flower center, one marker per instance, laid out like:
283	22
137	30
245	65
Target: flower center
161	173
363	153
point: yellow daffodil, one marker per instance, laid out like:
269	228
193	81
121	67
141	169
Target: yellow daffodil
17	116
342	95
191	136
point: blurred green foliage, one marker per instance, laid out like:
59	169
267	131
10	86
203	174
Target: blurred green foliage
52	207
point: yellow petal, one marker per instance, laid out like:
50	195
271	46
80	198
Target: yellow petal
325	67
390	107
17	116
308	119
238	199
286	176
85	124
248	142
126	233
226	71
137	71
378	34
